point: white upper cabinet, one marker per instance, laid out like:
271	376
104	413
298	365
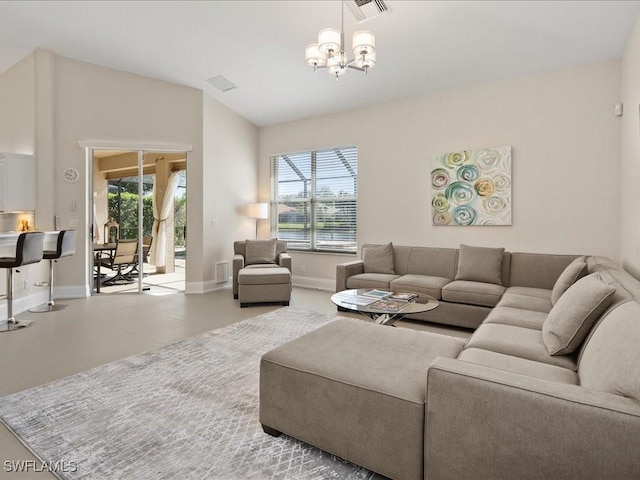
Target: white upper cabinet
17	182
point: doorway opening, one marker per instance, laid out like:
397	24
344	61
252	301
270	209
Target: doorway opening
139	222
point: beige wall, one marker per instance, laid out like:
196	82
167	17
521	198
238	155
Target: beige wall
94	103
566	145
228	176
17	107
630	156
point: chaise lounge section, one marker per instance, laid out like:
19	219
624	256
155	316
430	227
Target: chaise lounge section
546	387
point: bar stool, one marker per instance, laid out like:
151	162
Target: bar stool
65	246
28	250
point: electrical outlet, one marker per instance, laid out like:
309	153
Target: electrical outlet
27	284
303	268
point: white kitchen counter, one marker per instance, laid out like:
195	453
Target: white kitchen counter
9	239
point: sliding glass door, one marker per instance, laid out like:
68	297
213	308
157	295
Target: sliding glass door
139	221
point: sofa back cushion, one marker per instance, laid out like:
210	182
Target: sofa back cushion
570	275
480	264
378	259
435	262
610	360
572	317
260	251
537	270
240	247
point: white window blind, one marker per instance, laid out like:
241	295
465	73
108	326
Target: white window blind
314	199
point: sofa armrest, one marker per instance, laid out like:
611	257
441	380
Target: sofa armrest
284	260
481	422
346	270
238	264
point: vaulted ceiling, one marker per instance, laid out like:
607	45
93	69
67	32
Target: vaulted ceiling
422	46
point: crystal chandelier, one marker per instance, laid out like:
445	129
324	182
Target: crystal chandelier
330	52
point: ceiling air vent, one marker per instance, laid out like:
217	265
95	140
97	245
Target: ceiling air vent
366	9
221	83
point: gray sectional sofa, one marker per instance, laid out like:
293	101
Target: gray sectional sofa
548	386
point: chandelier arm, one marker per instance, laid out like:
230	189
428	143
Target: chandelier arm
354	67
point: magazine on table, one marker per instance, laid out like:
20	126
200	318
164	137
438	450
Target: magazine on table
377	293
403	297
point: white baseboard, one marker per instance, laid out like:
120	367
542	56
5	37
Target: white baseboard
315	283
205	287
24	303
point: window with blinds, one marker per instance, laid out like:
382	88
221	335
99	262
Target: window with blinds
314	199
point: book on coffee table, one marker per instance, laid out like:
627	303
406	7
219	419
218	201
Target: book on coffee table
388	305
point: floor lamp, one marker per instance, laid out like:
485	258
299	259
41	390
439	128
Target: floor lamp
259	211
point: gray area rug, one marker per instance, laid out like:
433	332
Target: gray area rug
188	410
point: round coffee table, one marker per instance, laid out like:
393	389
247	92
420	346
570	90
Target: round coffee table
356	300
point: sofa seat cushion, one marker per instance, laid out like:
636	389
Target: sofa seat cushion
371	280
473	293
517	317
420	284
530	292
307	392
525	302
519	365
518	342
264	276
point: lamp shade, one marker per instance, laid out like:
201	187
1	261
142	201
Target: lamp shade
258	210
329	40
364	43
313	55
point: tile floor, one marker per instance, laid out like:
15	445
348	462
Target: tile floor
104	328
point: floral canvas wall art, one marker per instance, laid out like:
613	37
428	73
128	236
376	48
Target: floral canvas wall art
472	187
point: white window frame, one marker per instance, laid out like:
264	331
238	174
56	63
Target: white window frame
313	199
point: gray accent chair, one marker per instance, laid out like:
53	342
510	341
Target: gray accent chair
264	280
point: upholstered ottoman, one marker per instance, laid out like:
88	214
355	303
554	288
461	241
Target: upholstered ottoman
348	390
264	283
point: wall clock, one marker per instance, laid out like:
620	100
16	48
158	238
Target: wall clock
71	175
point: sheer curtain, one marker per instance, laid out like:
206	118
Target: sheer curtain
157	253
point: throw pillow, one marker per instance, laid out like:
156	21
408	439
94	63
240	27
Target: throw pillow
260	251
571	318
574	272
378	259
480	264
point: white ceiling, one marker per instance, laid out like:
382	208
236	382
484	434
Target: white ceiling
422	46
